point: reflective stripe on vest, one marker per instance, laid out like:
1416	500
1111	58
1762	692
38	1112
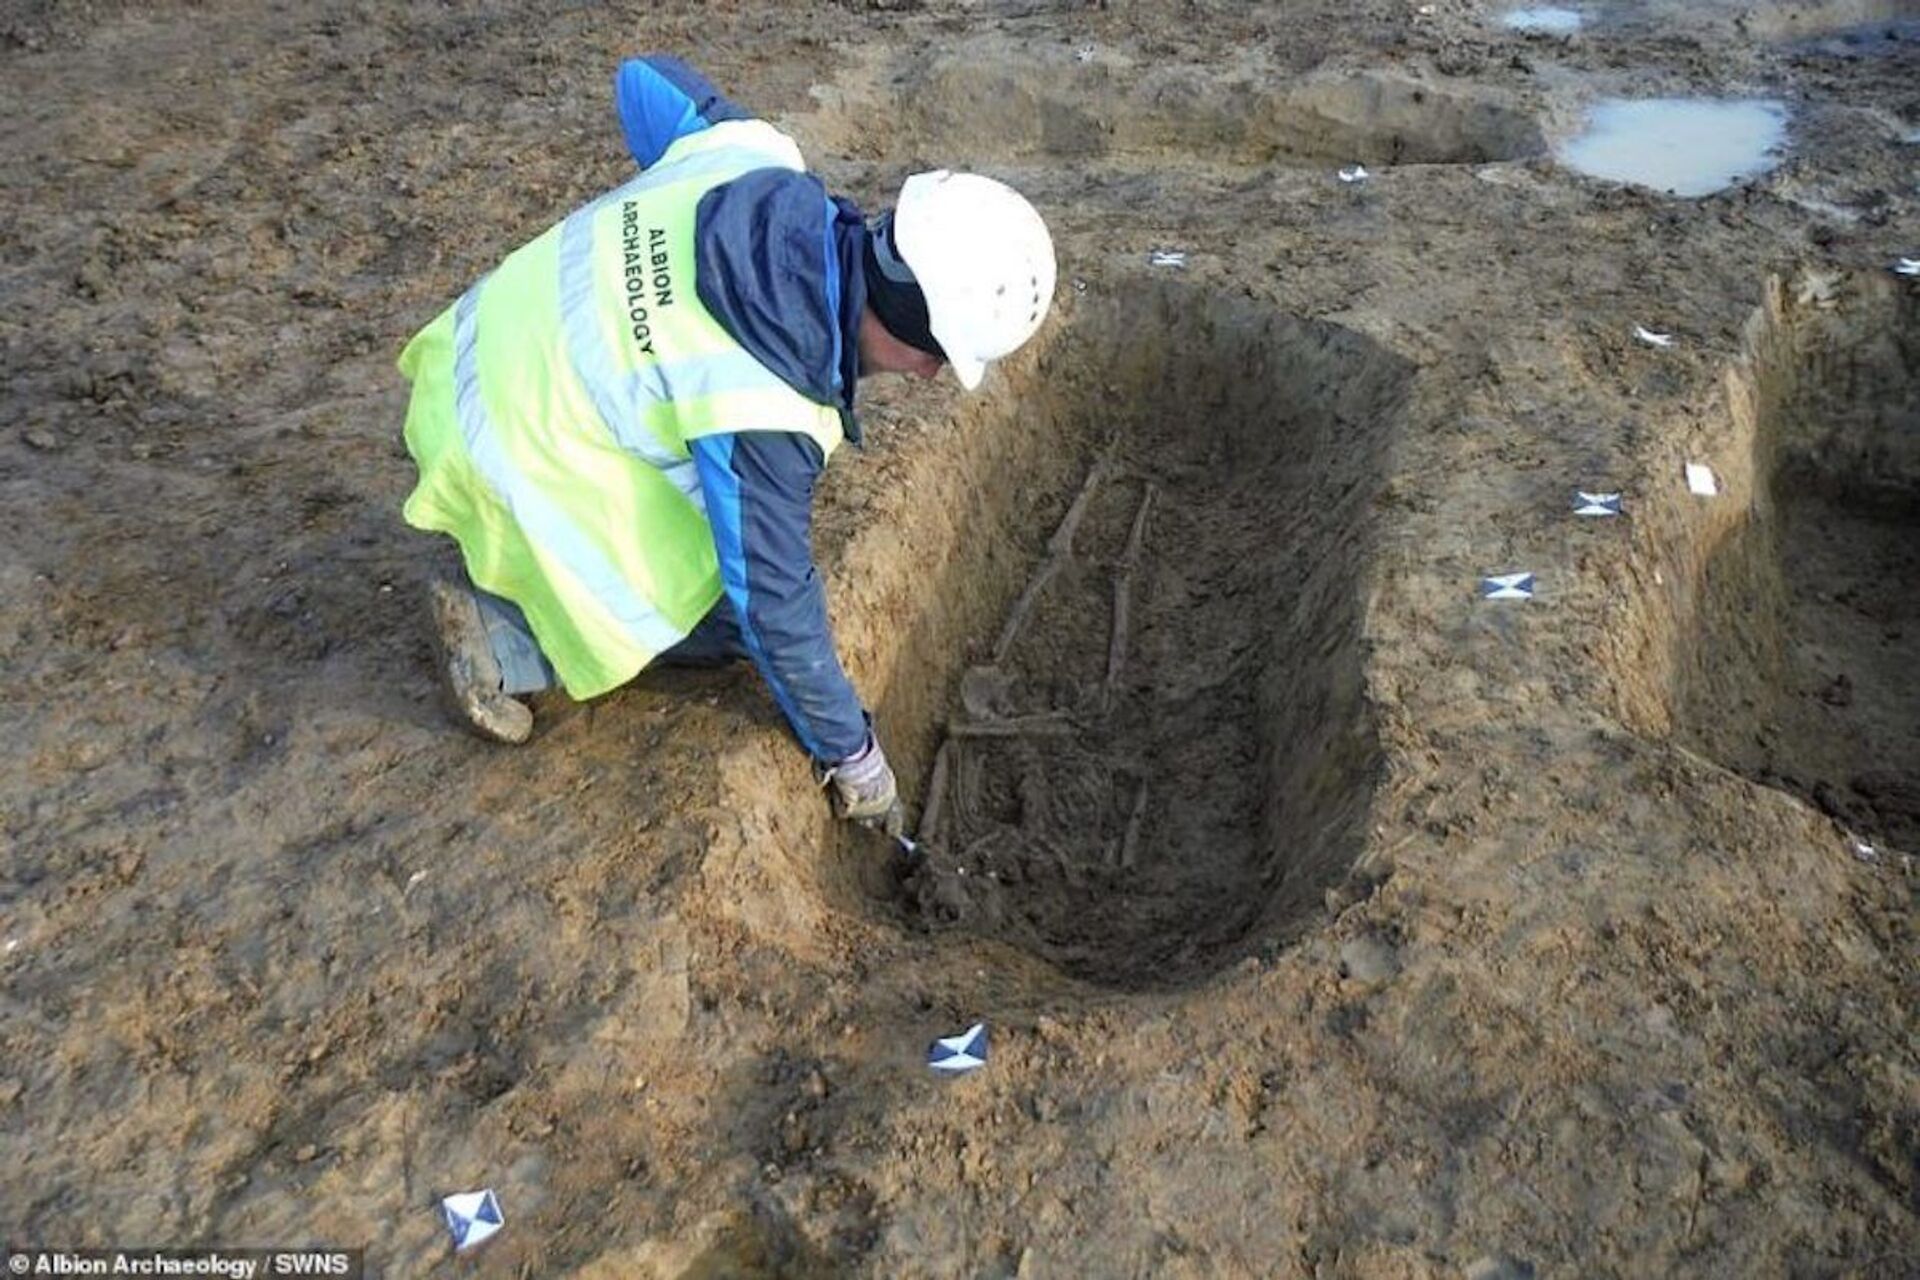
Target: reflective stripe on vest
553	404
544	522
623	397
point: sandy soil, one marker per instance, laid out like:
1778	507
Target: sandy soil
1353	926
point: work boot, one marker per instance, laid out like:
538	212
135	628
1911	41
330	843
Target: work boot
468	670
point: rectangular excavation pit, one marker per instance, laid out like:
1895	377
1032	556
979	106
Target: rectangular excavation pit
992	99
1141	805
1799	670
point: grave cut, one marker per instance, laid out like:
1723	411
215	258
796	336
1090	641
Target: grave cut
1159	748
1801	671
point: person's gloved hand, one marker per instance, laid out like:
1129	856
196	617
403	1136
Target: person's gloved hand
864	790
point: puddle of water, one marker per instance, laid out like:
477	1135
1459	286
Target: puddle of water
1551	22
1683	146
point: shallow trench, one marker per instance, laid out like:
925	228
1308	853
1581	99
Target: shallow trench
1142	781
1800	670
1785	20
990	100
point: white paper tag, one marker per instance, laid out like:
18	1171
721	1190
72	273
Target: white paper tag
1507	586
472	1216
961	1053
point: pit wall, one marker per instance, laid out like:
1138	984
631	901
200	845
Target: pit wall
1700	639
1338	401
993	99
951	527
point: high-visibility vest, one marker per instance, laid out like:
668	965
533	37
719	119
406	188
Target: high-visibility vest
552	406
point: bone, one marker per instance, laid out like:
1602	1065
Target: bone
1061	543
1130	843
1123	598
1036	726
1059	551
966	792
935	808
986	693
1021	608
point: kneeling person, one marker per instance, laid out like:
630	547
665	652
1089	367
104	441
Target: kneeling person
622	424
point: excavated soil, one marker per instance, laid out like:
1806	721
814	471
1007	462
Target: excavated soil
1327	919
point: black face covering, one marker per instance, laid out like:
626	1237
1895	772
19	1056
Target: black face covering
892	292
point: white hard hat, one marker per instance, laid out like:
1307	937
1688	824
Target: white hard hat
984	259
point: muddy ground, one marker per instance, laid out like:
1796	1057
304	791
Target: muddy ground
1331	922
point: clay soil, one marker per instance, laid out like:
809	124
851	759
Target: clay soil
1328	920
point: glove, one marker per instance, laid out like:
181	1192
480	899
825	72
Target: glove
864	790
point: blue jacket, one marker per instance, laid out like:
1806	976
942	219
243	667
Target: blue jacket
777	262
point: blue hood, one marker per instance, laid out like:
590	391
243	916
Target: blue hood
777	262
